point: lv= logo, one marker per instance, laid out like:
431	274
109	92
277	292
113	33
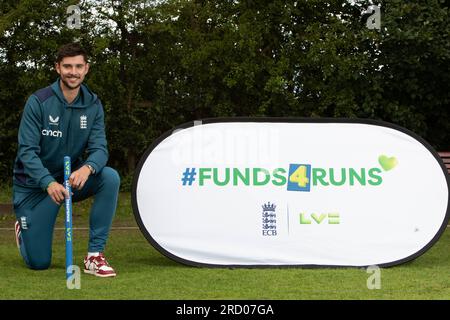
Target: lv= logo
332	218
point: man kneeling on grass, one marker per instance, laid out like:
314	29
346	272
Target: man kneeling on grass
65	118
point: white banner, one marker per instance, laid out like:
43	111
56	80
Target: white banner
284	192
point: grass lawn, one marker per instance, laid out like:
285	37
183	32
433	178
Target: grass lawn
143	273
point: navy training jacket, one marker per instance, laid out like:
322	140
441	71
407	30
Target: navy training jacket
51	129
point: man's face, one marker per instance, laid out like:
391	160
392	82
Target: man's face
72	71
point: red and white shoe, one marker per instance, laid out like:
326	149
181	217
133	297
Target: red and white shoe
98	266
18	234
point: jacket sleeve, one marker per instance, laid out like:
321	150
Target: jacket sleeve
29	143
97	149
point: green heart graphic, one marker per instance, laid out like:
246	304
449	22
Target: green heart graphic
387	163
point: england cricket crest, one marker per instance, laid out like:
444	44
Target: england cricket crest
83	122
269	222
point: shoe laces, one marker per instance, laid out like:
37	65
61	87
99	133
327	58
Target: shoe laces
101	260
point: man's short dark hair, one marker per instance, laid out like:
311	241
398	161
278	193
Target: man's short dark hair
71	50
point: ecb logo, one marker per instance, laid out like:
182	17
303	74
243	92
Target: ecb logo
269	220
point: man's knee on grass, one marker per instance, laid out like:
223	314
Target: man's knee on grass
39	264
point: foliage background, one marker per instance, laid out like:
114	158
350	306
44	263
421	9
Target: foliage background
157	64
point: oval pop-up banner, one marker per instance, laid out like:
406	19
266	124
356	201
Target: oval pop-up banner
291	192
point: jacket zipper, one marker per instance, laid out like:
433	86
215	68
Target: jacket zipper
67	146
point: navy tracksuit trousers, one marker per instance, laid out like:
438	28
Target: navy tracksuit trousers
39	212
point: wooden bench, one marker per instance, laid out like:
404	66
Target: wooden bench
445	156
